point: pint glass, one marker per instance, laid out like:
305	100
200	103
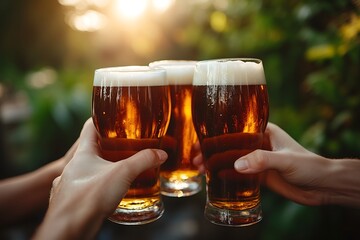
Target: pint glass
131	112
178	176
230	113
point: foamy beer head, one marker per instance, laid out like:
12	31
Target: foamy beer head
229	72
129	76
229	95
179	72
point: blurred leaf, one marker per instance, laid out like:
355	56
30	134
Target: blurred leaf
314	137
321	83
320	52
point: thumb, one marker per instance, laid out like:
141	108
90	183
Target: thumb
261	160
88	139
142	161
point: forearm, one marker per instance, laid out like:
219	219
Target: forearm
344	183
26	194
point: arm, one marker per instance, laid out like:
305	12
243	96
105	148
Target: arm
301	175
82	197
26	194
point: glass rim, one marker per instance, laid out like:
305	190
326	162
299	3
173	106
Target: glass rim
130	76
129	69
244	59
173	63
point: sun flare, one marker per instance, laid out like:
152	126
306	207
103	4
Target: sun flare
130	9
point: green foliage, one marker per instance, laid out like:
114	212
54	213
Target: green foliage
58	110
311	55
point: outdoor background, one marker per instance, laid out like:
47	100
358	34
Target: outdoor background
311	55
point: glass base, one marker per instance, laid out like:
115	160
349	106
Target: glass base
233	218
180	184
137	216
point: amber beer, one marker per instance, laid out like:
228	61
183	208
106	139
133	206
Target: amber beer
131	111
178	176
230	113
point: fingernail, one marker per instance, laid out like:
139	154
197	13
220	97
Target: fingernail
241	164
162	155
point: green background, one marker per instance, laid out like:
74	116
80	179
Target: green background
311	55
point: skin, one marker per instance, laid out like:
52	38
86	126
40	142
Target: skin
90	188
81	197
300	175
24	195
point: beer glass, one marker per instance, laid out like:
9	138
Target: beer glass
131	111
230	113
178	176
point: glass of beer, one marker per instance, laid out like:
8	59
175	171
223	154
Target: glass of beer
178	176
131	111
230	113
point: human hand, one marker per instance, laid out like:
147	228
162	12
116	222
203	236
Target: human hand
59	164
198	160
90	188
35	185
292	171
300	175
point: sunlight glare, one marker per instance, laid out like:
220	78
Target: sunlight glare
90	21
162	5
130	9
83	3
69	2
98	3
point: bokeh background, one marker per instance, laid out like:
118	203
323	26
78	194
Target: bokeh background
311	54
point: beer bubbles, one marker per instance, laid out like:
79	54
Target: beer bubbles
131	112
178	176
230	113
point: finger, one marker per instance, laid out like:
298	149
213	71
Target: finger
198	160
199	163
201	169
88	138
279	139
70	153
55	183
276	136
260	160
141	161
196	146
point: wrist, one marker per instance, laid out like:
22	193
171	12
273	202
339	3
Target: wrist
344	182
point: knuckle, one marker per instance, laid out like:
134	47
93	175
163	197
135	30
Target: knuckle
56	181
259	159
149	154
